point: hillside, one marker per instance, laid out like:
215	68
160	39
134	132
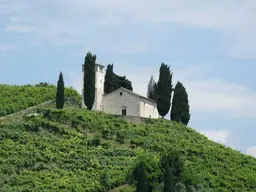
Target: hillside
78	150
15	98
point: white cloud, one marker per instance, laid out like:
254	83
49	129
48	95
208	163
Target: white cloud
81	21
251	151
19	28
221	136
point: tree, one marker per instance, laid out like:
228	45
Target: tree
141	185
60	92
152	170
121	81
180	105
109	81
164	90
151	94
114	81
89	80
173	159
168	179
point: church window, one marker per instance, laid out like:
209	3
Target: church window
124	112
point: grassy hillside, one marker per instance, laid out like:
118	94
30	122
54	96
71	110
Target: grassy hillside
77	150
15	98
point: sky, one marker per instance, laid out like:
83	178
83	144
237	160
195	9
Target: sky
209	45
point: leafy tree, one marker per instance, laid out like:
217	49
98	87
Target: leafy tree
60	92
168	179
152	168
164	90
121	81
151	94
114	81
89	80
180	105
173	159
141	185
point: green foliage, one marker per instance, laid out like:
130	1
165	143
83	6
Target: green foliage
180	105
46	153
152	86
151	166
141	177
168	179
89	80
173	164
180	187
164	90
109	82
120	136
60	92
114	81
15	98
95	141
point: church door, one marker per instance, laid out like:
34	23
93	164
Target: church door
124	112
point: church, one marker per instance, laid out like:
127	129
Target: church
120	101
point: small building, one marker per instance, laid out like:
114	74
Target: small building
121	101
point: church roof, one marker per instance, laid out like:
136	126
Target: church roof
133	93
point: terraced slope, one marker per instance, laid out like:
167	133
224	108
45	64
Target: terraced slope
77	150
14	98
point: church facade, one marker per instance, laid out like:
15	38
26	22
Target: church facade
120	101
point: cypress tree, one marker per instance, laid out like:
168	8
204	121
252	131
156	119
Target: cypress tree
151	94
168	179
141	185
60	92
89	80
180	105
164	90
174	161
109	81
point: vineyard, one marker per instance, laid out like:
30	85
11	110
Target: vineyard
15	98
78	150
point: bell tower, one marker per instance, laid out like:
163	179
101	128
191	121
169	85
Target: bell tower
99	87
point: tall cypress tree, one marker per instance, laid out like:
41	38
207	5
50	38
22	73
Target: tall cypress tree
109	80
168	179
164	90
151	94
89	80
180	105
173	159
60	92
141	185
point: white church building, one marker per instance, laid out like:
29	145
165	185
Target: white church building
120	101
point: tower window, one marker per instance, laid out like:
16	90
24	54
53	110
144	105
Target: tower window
121	93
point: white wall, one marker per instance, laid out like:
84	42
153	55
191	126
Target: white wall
113	103
148	109
99	87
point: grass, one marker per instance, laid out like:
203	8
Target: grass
15	98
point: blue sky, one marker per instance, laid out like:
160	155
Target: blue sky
210	46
